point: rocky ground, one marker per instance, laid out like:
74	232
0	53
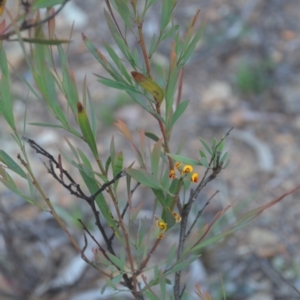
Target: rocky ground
244	74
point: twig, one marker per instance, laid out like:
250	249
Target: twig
180	83
200	213
48	202
94	239
274	275
115	21
80	194
26	25
147	285
146	260
187	207
126	207
143	46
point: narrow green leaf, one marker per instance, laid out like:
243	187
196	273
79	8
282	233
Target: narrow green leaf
111	25
44	41
116	261
117	278
182	265
168	217
224	156
170	32
118	62
204	162
172	191
155	156
124	11
184	159
143	177
17	191
84	158
210	241
46	3
47	125
6	107
202	154
93	187
125	50
171	255
150	294
213	144
160	197
191	48
107	163
152	136
117	166
226	164
11	164
178	112
31	187
86	129
167	7
205	146
162	283
136	58
72	149
221	146
69	85
171	88
117	85
153	45
93	115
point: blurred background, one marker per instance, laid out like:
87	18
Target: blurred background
244	74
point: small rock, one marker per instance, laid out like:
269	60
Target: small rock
291	98
218	97
265	243
261	296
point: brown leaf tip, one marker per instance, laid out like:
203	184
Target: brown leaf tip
137	76
79	107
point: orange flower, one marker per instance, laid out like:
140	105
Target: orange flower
172	174
176	217
195	177
187	169
178	165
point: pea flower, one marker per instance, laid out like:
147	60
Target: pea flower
172	174
161	225
178	165
176	216
195	177
187	169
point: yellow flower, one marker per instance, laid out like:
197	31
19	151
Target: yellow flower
187	169
161	224
176	217
172	174
195	177
178	165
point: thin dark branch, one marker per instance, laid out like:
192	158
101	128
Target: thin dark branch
78	192
200	213
125	208
84	247
187	208
58	164
115	21
26	25
183	289
107	184
94	239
